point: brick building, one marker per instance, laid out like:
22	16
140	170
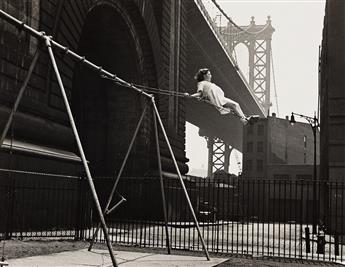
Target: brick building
274	149
279	158
332	104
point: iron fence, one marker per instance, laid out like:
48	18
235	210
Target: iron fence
236	215
43	205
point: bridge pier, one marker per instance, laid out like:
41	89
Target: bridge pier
218	155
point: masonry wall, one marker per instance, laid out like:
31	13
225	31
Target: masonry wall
155	32
272	148
332	102
333	92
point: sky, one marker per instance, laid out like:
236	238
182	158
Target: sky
298	28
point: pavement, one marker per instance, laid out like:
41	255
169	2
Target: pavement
100	257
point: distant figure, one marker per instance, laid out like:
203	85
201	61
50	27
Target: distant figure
215	95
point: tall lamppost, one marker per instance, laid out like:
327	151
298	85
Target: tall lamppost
314	123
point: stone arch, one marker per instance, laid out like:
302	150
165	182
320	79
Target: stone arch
106	113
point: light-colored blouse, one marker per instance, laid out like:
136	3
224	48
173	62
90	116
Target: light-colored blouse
214	94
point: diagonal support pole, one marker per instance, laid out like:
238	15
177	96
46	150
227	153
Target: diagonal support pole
19	97
81	150
106	211
180	178
161	183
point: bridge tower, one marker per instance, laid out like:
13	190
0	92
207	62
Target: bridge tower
257	38
218	155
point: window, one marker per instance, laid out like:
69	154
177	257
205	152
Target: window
305	141
249	146
249	165
261	129
259	165
260	146
250	129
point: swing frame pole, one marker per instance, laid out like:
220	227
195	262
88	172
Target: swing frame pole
180	178
81	150
19	97
167	239
106	210
41	35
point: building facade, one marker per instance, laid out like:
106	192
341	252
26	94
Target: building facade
332	105
275	149
279	159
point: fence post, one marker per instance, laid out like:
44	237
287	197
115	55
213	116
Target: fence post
307	240
11	198
79	214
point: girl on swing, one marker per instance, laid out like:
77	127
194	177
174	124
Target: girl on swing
214	94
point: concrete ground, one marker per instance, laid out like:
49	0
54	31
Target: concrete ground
100	257
63	253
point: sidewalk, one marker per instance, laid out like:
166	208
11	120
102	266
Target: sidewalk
100	257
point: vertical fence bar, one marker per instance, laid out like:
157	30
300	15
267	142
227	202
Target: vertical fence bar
295	217
210	208
257	219
307	231
290	216
225	191
268	220
342	221
312	220
280	215
274	215
284	218
216	210
243	219
238	214
209	190
263	215
335	229
302	219
253	182
247	214
12	197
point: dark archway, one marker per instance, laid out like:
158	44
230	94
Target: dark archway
106	113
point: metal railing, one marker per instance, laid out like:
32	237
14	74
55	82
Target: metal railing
35	205
236	215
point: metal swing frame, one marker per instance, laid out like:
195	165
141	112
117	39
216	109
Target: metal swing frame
49	42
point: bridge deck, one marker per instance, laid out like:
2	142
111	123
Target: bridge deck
205	50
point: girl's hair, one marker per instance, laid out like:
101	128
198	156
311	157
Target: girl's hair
199	76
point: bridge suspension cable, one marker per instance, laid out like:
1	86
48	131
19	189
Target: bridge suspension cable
274	84
228	18
242	30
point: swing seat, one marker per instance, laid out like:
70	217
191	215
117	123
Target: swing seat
3	263
39	150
